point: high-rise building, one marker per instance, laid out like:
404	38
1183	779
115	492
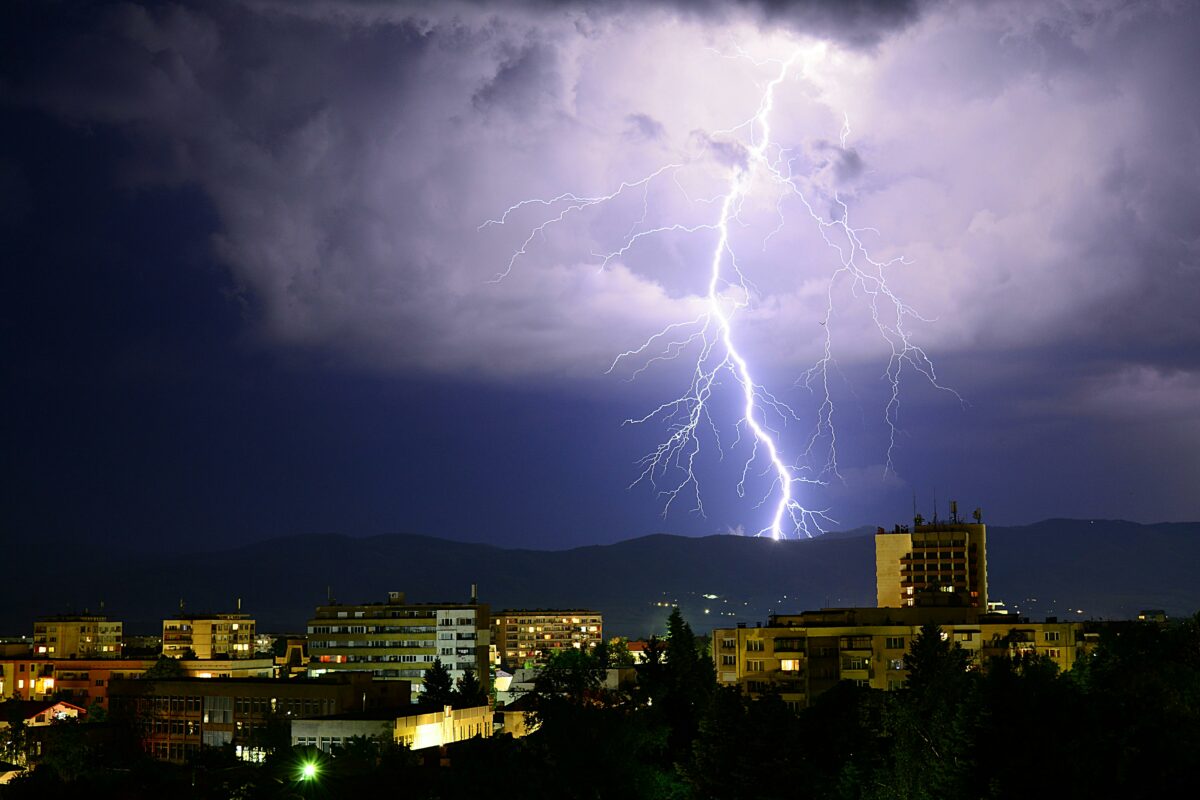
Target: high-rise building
532	635
208	636
935	573
399	640
70	636
934	564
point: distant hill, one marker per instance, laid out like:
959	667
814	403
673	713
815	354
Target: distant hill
1106	569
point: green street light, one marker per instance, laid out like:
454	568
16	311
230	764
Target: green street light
308	771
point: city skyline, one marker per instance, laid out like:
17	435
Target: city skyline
250	295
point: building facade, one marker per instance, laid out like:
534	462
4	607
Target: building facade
418	729
522	636
802	655
398	640
939	564
86	681
179	716
209	636
84	636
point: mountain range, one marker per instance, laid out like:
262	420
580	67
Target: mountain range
1068	568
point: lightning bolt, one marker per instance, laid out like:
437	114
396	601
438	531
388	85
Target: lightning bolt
671	467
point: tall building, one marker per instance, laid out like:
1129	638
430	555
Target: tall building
208	636
532	635
935	573
935	564
84	636
396	639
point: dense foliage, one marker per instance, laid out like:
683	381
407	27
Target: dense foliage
1125	722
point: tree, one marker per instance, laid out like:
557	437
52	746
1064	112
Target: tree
96	712
571	675
166	668
934	663
439	686
677	680
618	652
470	691
934	723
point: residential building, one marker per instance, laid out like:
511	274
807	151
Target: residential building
179	716
209	636
935	573
935	564
34	713
802	655
86	681
77	636
398	640
531	636
416	727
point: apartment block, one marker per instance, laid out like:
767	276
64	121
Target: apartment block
802	655
71	636
398	640
522	636
208	636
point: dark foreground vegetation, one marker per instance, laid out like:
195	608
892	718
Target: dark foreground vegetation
1124	723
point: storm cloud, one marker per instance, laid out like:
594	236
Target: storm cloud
1036	165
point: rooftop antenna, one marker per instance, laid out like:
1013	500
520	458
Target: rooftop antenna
935	516
239	604
978	515
954	511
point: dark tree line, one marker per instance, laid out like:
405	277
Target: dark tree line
1125	722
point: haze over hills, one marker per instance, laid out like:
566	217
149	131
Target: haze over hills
1076	568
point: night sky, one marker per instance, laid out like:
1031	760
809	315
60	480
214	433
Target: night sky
246	294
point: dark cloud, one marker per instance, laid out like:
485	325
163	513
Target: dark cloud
1035	163
525	82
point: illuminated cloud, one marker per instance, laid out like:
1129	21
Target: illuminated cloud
1036	163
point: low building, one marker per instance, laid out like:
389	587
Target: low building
209	636
418	728
35	713
800	656
85	681
77	636
532	635
294	660
398	640
179	716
